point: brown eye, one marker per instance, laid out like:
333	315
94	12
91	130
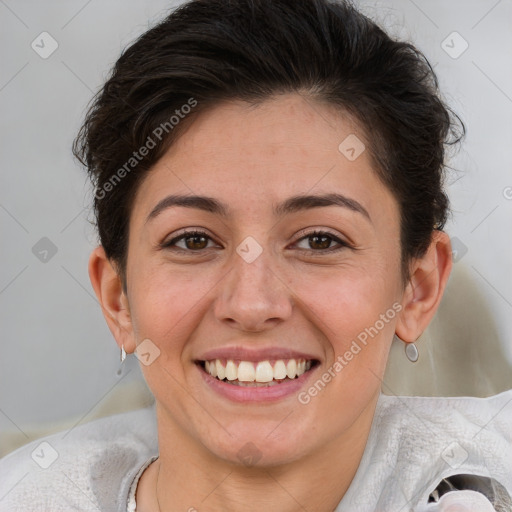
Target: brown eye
320	241
196	242
188	241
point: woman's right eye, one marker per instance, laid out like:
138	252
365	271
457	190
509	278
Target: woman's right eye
192	241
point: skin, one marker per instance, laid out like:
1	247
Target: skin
295	294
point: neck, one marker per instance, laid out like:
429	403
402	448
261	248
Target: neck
186	478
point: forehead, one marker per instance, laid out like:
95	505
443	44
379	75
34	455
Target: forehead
288	126
250	156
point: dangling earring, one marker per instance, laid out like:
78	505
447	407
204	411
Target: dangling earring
411	350
123	357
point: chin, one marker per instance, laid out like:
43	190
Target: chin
259	445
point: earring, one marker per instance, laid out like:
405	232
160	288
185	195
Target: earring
123	354
411	350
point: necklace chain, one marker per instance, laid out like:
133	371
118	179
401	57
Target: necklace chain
156	491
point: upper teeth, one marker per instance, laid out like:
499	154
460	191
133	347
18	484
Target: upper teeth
261	371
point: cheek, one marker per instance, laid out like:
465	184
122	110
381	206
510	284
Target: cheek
356	318
354	312
165	305
346	298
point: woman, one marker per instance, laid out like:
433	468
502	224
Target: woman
268	193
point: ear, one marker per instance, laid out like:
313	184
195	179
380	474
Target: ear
108	287
424	291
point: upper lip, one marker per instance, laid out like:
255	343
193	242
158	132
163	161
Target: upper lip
251	354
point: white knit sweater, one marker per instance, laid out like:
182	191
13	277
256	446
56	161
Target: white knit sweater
414	444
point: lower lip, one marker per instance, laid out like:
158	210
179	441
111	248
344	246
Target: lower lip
245	394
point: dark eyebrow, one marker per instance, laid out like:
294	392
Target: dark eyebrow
207	204
291	205
297	203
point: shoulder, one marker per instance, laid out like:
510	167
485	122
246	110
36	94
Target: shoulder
416	442
435	438
495	412
87	467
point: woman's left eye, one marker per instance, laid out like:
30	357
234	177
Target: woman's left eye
321	241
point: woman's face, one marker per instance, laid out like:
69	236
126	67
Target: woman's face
259	285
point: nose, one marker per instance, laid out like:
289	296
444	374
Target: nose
253	296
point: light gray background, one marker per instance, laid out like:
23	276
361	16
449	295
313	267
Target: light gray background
59	363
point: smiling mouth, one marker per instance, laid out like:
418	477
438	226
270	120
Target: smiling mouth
257	373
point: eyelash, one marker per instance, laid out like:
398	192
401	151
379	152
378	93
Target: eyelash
194	233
